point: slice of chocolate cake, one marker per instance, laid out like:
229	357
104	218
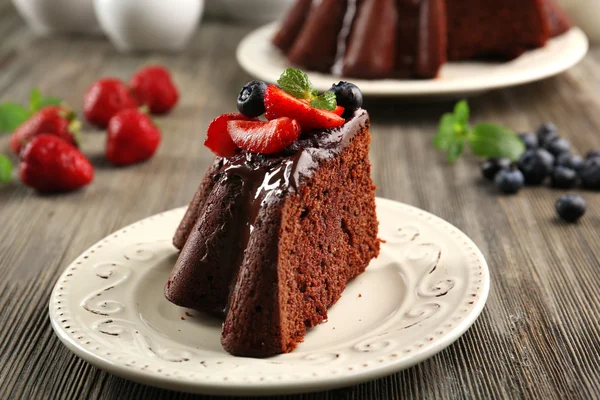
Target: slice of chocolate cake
271	240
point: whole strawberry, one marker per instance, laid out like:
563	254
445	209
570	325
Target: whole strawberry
132	138
105	98
152	86
53	120
49	164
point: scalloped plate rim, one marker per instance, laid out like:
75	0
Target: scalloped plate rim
278	388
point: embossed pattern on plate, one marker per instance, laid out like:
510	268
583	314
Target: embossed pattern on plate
260	58
425	289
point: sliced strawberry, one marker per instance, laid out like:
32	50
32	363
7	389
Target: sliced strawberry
264	137
280	104
217	137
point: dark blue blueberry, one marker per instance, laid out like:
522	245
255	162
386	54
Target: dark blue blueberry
590	173
509	180
563	177
251	100
569	160
570	207
490	167
536	165
557	146
530	140
347	95
546	132
593	154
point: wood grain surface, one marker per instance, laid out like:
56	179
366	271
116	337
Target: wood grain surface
537	338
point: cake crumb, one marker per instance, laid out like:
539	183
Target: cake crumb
183	319
188	314
360	295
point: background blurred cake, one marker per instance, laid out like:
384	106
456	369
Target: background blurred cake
376	39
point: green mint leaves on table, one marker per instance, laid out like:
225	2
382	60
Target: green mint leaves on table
12	114
296	83
5	169
485	139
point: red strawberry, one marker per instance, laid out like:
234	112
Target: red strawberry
280	104
217	137
264	137
52	120
132	138
49	164
104	99
152	86
339	110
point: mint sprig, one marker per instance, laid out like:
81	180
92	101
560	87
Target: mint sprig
5	169
296	83
12	114
485	139
326	101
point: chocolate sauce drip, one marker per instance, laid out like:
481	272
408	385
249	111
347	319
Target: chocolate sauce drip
266	179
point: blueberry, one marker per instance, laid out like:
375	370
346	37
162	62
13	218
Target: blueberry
536	165
569	160
347	95
570	207
557	146
546	132
509	180
590	173
563	177
593	154
490	167
251	100
530	140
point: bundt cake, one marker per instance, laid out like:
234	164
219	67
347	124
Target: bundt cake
375	39
271	238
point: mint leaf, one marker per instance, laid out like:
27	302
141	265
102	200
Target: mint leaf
461	113
326	101
35	98
451	136
11	116
445	136
455	150
490	140
296	83
5	169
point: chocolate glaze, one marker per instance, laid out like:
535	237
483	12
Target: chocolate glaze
246	186
267	179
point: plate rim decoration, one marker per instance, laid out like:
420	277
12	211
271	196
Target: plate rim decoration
259	58
76	313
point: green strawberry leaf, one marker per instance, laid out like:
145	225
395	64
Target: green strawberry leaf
296	83
37	101
490	140
5	169
11	116
326	101
35	98
49	101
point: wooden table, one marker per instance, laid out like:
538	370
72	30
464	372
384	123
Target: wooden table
538	337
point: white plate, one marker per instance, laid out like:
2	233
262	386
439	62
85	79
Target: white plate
426	288
261	59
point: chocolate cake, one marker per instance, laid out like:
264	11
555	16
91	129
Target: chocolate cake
269	242
375	39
